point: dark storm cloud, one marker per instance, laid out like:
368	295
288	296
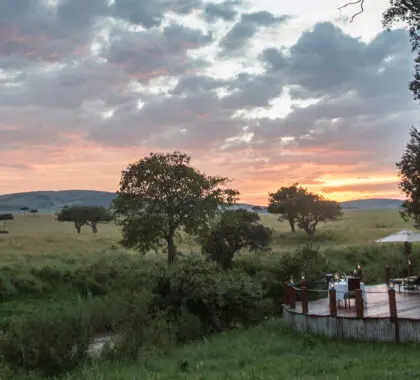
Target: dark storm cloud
240	34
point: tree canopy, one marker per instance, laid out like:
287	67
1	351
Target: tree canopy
302	208
409	173
5	218
235	230
408	12
84	215
162	194
313	209
284	203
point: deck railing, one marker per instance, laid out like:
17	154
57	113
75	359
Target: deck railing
389	328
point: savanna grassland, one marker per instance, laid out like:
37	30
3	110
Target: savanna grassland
54	281
41	239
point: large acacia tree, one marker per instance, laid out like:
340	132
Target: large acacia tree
84	215
162	194
235	230
313	209
284	203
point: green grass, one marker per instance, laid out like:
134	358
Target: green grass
268	351
41	239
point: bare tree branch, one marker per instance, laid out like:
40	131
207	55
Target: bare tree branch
361	2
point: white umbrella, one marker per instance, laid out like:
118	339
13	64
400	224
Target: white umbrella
400	237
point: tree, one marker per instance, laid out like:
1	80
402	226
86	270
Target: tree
312	209
409	173
5	218
24	209
162	194
33	211
284	203
84	215
257	208
236	229
408	12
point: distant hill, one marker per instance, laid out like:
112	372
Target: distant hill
372	204
52	201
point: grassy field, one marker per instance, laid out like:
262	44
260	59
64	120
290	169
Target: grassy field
41	239
268	351
45	267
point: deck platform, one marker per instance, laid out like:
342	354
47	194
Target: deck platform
375	325
408	304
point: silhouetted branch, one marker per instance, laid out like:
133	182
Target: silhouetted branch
361	2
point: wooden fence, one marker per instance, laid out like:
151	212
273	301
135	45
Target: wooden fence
382	329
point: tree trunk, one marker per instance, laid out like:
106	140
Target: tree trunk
310	239
94	227
171	249
78	227
292	224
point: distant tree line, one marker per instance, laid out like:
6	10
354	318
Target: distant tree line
84	215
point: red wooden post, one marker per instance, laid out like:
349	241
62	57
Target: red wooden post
292	300
393	312
286	290
359	303
304	299
410	268
388	274
333	302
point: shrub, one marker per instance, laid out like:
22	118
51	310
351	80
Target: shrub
188	327
220	299
141	332
50	342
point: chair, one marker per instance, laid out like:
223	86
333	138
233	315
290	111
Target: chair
412	283
353	284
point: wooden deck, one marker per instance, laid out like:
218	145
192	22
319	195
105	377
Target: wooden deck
408	305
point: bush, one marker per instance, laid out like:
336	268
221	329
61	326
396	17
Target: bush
141	332
49	342
188	327
220	299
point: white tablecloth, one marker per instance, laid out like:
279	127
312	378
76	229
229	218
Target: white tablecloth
342	287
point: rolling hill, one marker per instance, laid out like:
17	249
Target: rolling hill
372	204
52	201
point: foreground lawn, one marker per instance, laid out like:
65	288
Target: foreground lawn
268	351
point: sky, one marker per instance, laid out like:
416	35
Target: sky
264	92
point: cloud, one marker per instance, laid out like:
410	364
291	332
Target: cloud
366	188
225	11
151	13
149	54
237	38
146	75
